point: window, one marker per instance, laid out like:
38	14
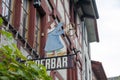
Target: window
24	18
37	32
90	75
6	9
86	70
85	34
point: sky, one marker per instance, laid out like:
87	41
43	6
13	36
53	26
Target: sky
107	50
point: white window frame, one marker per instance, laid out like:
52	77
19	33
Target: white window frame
37	32
23	30
6	9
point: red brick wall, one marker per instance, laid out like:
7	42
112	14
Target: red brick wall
31	24
17	14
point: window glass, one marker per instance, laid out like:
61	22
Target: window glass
6	9
24	16
24	52
37	32
85	35
86	69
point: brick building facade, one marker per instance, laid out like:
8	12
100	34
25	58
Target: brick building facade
31	21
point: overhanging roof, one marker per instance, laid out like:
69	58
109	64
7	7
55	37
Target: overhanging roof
98	70
88	10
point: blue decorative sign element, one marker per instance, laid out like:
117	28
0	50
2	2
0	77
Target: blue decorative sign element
53	40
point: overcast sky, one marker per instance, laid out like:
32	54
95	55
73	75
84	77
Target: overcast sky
107	50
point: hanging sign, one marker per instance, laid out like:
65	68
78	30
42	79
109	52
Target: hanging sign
53	63
55	49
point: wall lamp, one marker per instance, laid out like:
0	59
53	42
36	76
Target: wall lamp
36	3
